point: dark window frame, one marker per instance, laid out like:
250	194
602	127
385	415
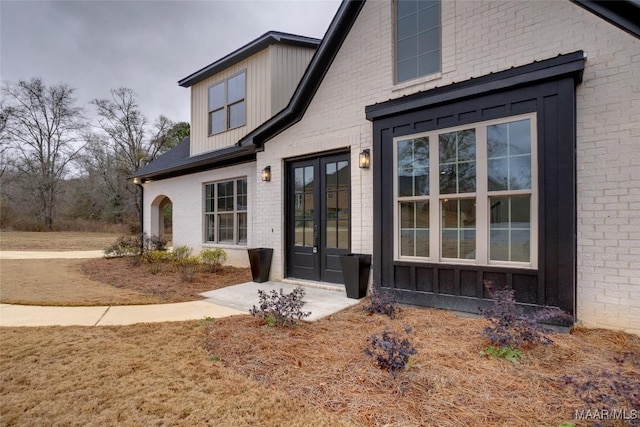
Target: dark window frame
227	105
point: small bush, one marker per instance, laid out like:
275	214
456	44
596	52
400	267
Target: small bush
180	253
188	268
390	350
154	243
509	327
384	303
280	309
513	355
123	246
213	258
156	260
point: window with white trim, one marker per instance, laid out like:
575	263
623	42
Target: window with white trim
418	40
226	101
468	194
225	212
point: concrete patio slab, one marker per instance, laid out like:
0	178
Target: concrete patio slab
320	302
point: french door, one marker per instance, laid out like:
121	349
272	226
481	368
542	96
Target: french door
318	217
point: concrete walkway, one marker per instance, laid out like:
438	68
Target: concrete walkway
319	299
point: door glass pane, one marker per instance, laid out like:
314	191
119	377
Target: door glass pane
299	233
332	234
343	234
458	228
308	233
331	176
343	175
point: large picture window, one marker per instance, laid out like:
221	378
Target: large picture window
225	212
417	38
227	106
468	194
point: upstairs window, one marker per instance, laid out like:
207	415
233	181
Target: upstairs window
227	107
418	41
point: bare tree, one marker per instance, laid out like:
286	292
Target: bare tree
42	126
131	140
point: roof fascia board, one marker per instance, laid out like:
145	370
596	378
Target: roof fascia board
572	63
622	14
245	52
312	78
195	168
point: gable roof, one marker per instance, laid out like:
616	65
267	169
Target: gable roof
620	13
313	76
251	48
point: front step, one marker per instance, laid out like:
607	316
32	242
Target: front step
314	284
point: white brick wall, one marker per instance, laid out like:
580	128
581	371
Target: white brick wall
187	195
479	38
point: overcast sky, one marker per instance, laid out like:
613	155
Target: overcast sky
145	45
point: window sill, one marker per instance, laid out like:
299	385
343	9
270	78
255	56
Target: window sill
224	246
416	81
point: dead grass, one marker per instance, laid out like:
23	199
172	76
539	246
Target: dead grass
54	241
448	383
61	282
148	374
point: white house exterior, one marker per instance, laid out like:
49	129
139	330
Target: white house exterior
504	148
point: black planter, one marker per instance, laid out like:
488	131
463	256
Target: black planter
260	260
355	271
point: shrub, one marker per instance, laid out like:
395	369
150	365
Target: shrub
390	350
155	259
384	303
188	267
123	246
509	327
280	309
180	253
213	258
154	243
511	354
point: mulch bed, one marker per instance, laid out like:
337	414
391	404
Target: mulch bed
447	384
167	283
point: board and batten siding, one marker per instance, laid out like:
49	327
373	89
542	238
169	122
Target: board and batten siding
257	97
272	76
288	64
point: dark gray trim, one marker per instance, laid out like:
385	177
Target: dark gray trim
177	161
569	64
251	48
623	14
312	78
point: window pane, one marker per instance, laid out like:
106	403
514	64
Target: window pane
509	155
457	161
407	7
414	229
236	88
209	198
241	202
225	228
217	122
209	228
413	167
407	48
237	115
225	196
407	69
429	63
407	27
458	228
429	17
216	96
429	41
510	228
242	228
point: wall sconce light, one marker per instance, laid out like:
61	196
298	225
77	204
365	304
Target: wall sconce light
365	159
266	174
136	181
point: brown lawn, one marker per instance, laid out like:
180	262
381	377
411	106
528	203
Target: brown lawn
54	241
236	371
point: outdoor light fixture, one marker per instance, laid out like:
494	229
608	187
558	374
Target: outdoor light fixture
365	159
266	174
136	181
